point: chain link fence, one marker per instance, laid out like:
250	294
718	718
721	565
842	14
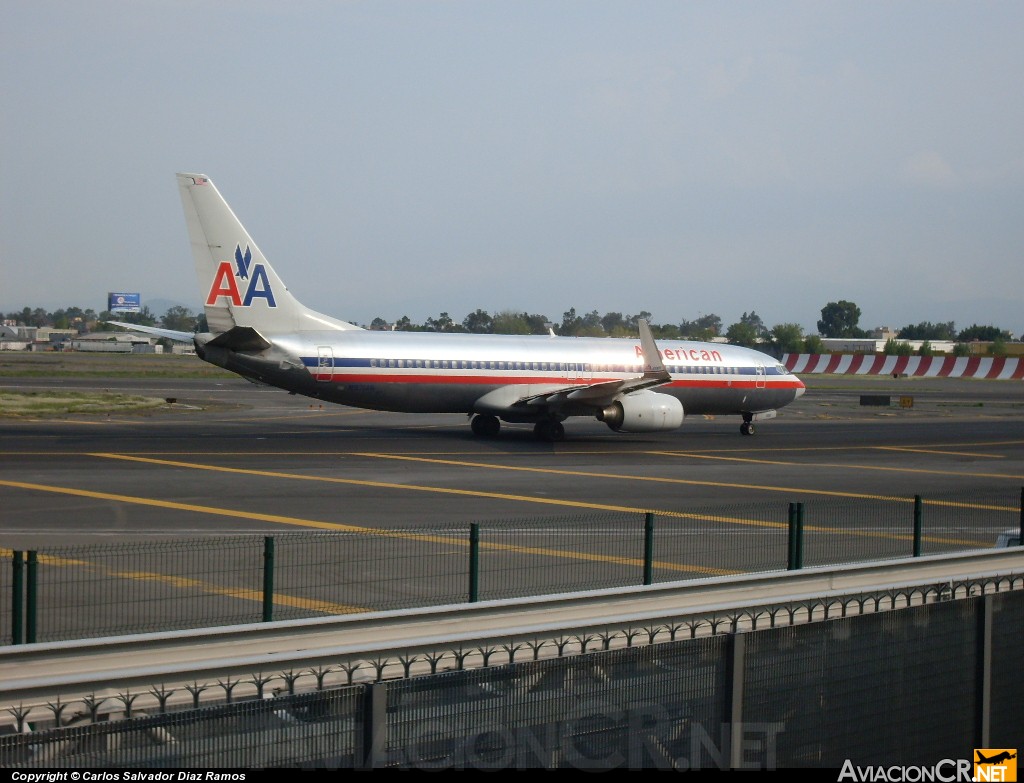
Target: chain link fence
90	591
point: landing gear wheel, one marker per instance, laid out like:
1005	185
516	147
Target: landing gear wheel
485	426
549	430
747	428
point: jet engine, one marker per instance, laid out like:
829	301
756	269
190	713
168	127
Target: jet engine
643	411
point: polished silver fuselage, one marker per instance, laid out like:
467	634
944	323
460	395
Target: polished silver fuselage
428	372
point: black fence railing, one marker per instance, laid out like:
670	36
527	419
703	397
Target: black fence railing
91	591
918	688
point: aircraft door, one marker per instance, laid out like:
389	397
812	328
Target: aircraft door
759	375
578	371
325	363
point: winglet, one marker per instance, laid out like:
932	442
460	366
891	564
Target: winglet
654	367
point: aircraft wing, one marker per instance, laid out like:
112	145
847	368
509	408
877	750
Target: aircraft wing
604	392
594	394
170	334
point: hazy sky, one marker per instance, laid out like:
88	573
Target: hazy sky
409	158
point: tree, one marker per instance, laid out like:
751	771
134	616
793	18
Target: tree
754	321
786	338
539	324
478	322
983	333
378	324
79	319
742	334
704	328
591	325
813	344
144	317
631	321
897	348
926	330
839	319
665	331
509	322
443	323
179	318
570	323
613	323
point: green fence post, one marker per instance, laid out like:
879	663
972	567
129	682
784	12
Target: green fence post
799	535
918	516
268	578
791	542
32	574
474	562
649	548
1020	533
17	597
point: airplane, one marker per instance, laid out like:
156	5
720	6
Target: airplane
1003	756
259	330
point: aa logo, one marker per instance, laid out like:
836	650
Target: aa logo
225	283
995	764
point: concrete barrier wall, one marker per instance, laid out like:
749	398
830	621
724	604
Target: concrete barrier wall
991	367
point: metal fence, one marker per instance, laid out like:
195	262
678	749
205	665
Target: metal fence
912	687
90	591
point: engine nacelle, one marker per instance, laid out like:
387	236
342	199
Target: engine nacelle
643	411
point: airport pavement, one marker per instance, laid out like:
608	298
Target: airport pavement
256	451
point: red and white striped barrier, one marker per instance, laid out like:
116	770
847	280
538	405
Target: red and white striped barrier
991	367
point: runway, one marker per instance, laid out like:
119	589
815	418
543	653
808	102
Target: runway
226	456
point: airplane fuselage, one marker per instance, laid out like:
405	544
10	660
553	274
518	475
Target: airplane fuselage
426	372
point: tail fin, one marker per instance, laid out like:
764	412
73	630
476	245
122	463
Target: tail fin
238	284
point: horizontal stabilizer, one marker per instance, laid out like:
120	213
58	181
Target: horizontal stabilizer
243	339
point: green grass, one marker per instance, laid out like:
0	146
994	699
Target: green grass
31	405
43	364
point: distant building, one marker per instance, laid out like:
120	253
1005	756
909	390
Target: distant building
114	342
12	338
883	333
877	344
17	332
54	337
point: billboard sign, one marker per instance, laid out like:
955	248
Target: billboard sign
124	303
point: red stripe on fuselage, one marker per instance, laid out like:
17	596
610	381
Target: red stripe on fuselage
715	381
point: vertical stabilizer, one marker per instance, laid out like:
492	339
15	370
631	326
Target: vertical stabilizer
238	285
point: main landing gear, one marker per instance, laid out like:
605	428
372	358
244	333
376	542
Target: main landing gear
484	425
549	430
747	427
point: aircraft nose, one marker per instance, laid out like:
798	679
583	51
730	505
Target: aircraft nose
800	390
